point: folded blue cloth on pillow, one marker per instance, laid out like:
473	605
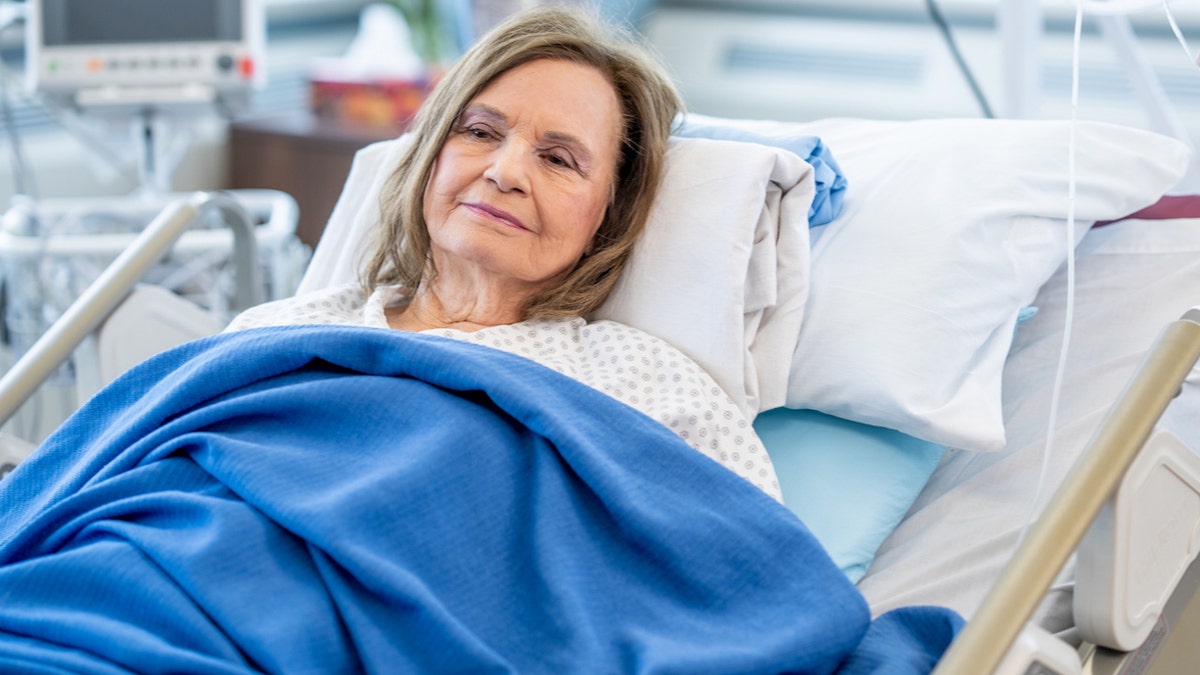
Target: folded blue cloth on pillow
830	183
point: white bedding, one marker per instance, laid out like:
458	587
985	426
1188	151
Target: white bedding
1132	279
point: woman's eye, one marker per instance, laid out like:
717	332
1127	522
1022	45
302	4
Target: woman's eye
560	160
478	133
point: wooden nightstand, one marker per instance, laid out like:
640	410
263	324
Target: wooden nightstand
307	157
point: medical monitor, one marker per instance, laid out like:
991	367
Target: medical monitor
93	53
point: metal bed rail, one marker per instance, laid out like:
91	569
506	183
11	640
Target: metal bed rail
88	311
987	637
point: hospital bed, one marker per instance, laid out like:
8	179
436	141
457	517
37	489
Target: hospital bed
904	354
134	259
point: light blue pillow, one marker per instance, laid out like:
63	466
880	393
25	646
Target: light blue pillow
850	483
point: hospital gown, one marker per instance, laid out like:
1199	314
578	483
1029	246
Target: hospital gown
629	365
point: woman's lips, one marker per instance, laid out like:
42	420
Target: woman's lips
496	214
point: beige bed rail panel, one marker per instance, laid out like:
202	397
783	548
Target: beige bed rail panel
986	638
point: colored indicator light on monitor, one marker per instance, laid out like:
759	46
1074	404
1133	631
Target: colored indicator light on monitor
246	66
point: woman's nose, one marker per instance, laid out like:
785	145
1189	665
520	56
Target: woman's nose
509	168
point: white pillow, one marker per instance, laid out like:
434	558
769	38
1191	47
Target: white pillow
722	269
341	253
950	228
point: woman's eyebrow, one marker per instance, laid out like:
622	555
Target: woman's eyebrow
572	142
484	110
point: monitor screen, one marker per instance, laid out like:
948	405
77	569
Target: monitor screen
94	22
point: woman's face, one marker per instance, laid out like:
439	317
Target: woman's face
522	183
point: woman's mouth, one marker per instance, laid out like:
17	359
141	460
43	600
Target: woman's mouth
493	213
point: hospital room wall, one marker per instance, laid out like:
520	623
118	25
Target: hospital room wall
802	60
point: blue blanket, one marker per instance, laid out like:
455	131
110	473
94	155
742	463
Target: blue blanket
335	500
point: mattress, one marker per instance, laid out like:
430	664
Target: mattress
1132	278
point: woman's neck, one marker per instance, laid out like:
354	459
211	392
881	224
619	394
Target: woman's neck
436	306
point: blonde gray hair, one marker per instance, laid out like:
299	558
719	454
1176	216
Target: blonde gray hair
649	104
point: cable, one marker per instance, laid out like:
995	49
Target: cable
5	338
23	183
10	13
944	28
1069	310
1115	7
1178	33
67	120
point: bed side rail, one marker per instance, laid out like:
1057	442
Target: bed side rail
106	292
984	641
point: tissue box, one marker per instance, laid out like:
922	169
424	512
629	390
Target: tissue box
382	103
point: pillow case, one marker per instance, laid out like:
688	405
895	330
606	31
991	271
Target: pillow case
341	253
721	271
950	228
850	483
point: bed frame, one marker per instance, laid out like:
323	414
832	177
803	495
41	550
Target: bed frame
993	631
239	210
1076	504
1170	649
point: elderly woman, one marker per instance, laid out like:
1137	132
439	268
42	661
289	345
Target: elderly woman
344	499
529	179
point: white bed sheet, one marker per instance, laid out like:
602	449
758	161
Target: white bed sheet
1132	279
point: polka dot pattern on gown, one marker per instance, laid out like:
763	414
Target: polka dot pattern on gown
632	366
